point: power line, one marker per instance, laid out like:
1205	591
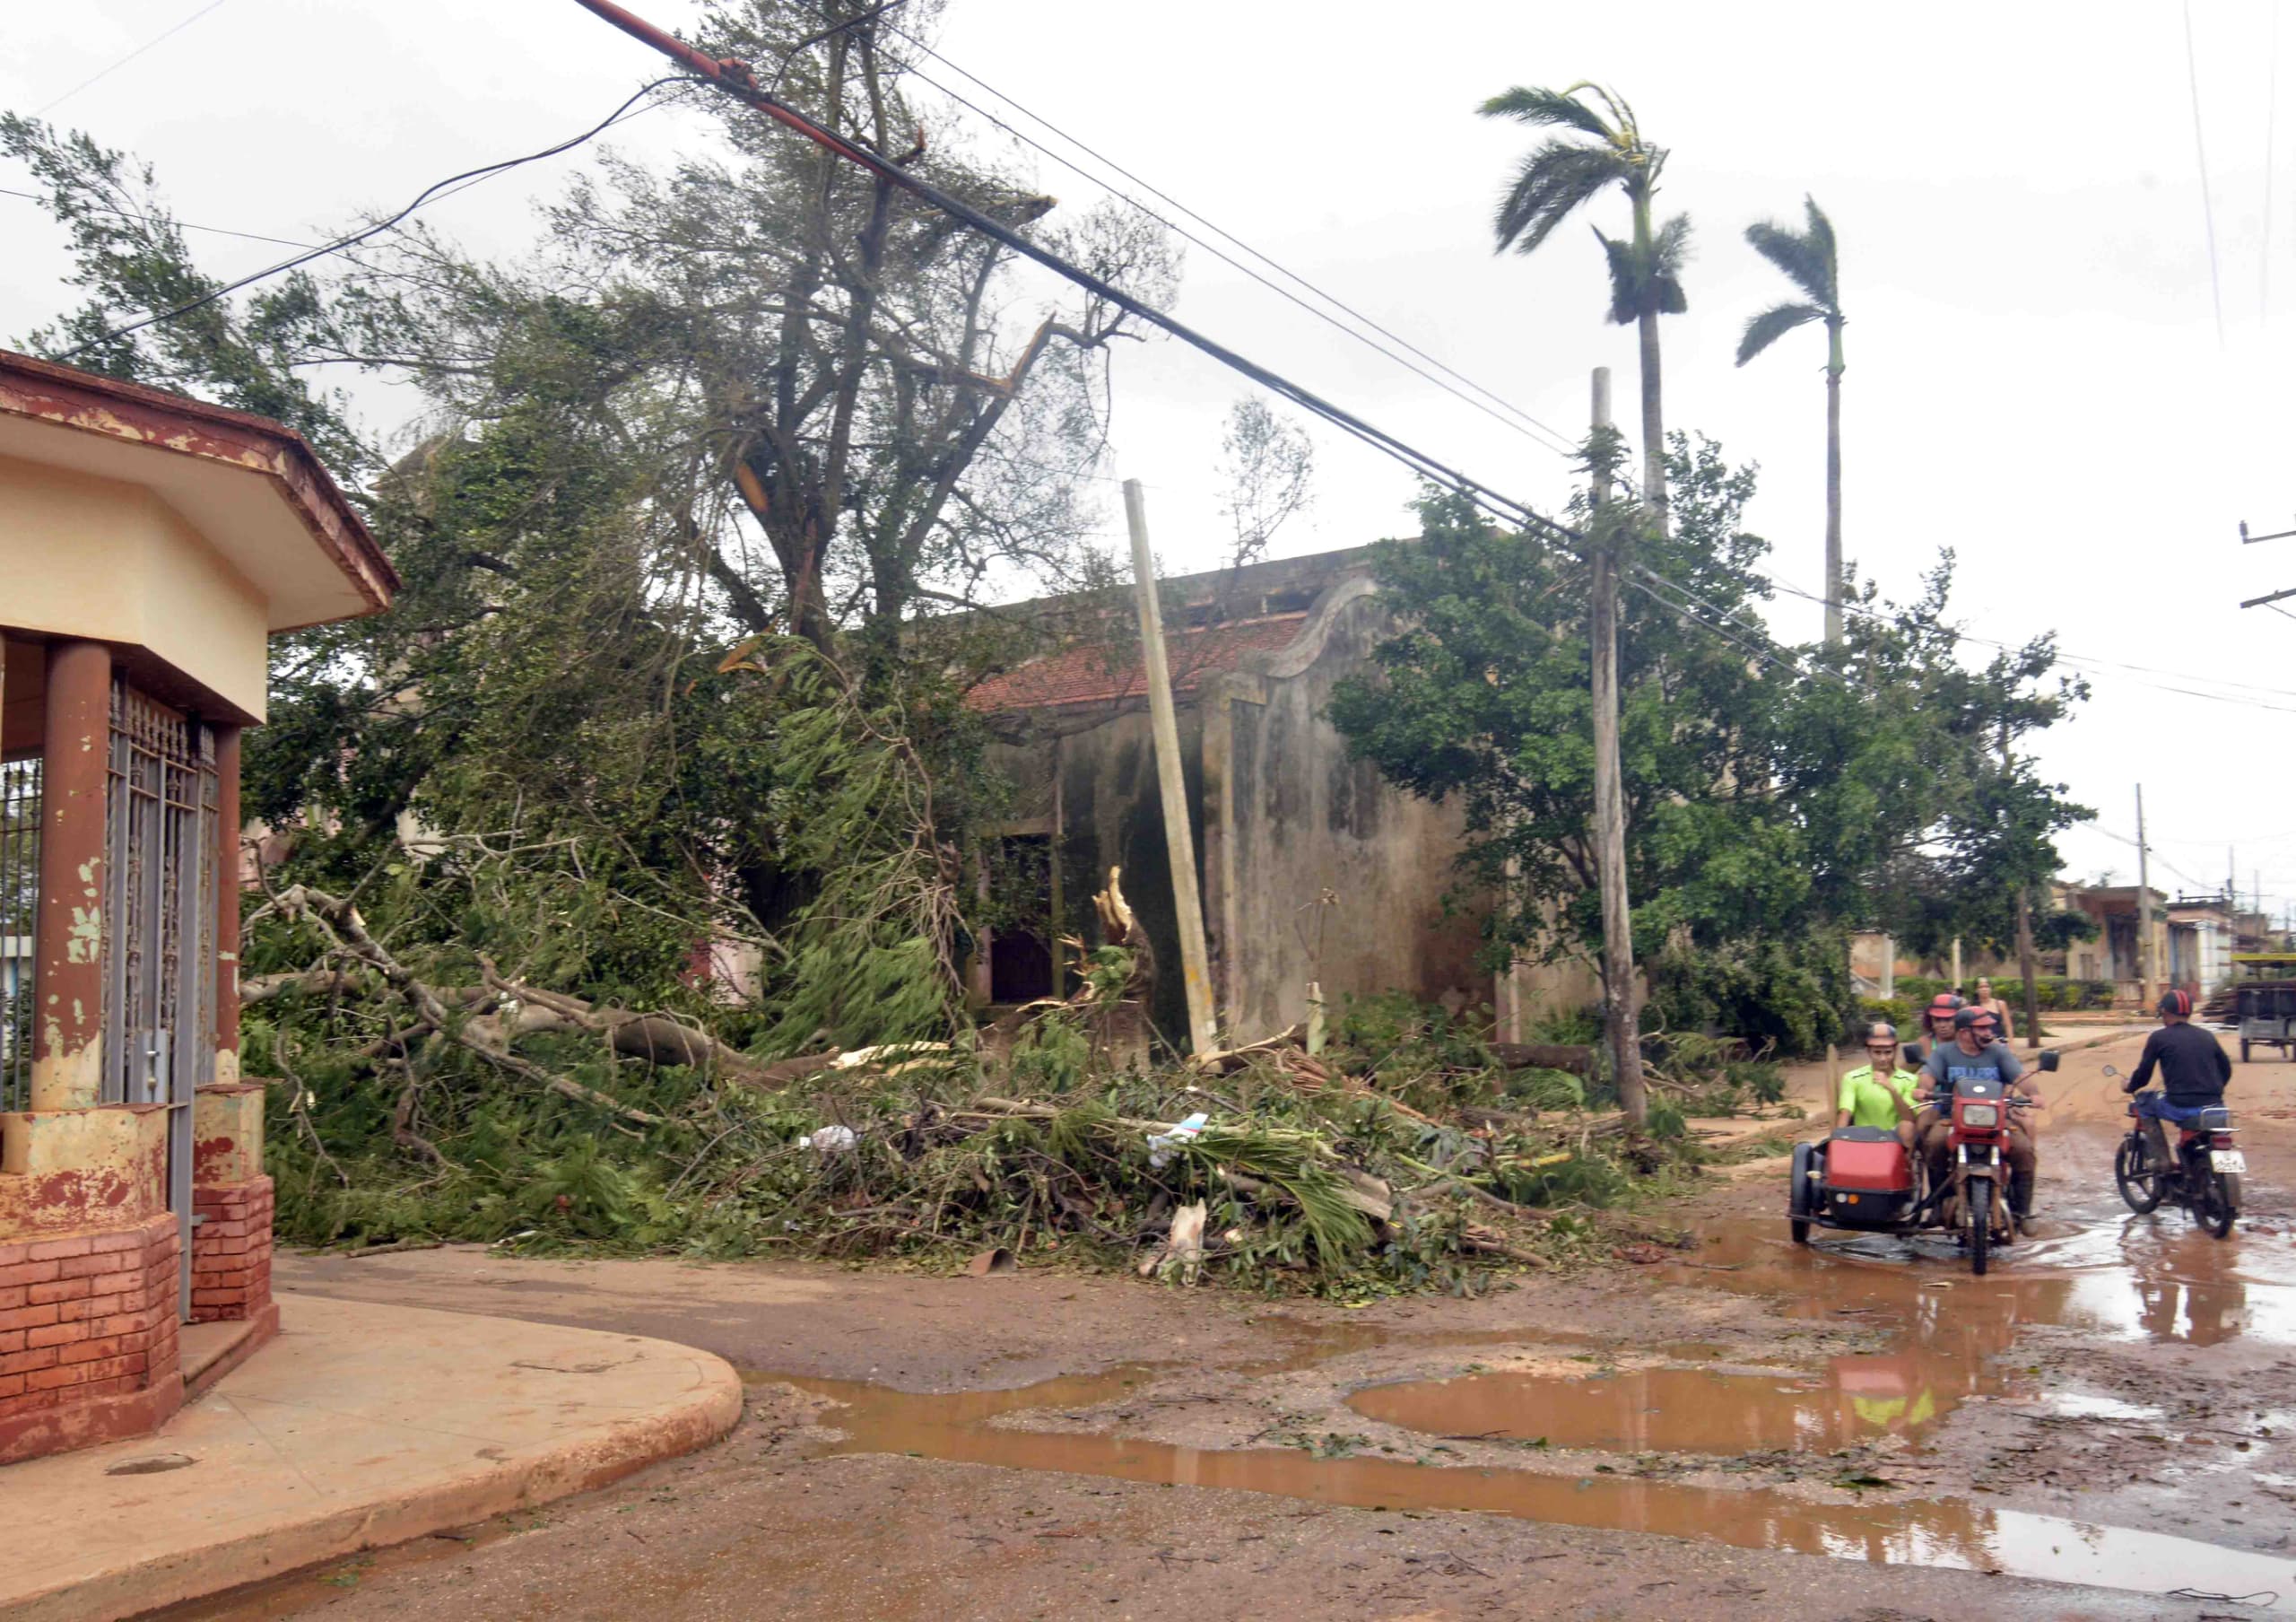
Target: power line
1561	445
736	79
124	61
355	238
129	213
2271	124
2207	208
2090	663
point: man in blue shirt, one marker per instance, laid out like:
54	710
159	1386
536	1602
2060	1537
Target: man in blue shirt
1974	1056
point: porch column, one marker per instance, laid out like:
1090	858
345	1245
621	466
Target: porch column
68	985
227	904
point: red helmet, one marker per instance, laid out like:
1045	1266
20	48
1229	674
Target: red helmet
2178	1003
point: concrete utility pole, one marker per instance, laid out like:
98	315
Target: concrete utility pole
1625	1041
1179	827
2025	935
2143	909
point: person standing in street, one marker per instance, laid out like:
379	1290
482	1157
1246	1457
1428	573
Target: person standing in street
1994	1006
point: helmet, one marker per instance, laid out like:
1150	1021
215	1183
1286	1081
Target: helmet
2178	1003
1969	1019
1944	1002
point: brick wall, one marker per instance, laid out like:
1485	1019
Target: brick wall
230	1251
87	1337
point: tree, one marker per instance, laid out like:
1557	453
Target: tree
1773	800
1810	261
1563	175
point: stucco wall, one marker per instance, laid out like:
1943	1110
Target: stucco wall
110	562
1303	818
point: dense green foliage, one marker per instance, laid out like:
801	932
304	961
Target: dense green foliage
1775	798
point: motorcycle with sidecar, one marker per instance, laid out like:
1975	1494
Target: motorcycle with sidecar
1863	1180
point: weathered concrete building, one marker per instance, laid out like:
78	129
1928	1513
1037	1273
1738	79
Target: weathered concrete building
149	548
1312	867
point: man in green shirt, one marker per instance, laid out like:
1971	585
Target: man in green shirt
1878	1092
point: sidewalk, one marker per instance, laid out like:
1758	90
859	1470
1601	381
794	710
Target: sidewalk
359	1426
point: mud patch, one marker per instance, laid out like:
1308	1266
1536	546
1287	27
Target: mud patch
1950	1532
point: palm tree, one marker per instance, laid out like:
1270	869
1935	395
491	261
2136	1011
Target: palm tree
1810	262
1646	269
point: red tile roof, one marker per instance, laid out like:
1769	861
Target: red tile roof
1096	672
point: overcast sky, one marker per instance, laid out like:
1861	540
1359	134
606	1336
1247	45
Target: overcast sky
2036	372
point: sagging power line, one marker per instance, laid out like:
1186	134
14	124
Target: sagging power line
738	79
1540	433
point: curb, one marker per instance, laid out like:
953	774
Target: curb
705	1403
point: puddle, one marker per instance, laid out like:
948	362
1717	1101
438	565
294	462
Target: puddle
1674	1410
2136	1278
1949	1532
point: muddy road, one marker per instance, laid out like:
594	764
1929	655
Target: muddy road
1857	1429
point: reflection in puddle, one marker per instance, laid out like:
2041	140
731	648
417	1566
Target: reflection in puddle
1671	1409
1947	1532
2140	1279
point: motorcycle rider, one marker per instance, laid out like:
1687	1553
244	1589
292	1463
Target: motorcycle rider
1937	1024
2194	1068
1878	1092
1974	1056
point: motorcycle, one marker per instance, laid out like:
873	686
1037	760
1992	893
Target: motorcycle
2204	1176
1863	1180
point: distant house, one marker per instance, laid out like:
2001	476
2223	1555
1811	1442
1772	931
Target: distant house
2201	933
1311	867
2112	954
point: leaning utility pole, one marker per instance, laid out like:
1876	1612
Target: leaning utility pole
1179	828
2143	909
1625	1041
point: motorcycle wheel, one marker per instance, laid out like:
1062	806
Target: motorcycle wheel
2140	1184
1801	1231
2219	1204
1980	1196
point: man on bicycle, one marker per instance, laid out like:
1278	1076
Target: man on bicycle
2194	1068
1975	1054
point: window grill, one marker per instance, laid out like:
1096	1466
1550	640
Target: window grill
19	911
158	941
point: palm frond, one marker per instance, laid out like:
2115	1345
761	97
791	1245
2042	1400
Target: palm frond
1626	281
1807	258
1650	281
1773	324
1555	180
1670	248
1820	236
1539	107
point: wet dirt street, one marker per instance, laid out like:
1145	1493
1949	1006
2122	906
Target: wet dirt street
1859	1428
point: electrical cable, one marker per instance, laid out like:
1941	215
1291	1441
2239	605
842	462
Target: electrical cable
737	79
1554	440
129	213
355	238
2271	126
124	61
2092	664
2207	208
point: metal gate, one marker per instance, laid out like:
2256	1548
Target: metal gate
160	946
19	909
